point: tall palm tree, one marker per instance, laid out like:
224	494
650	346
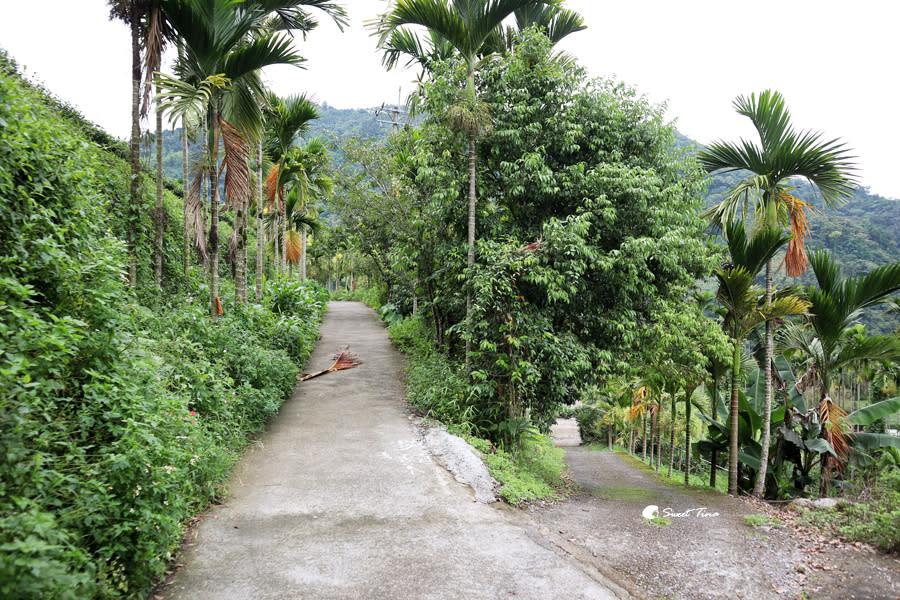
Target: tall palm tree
747	308
156	34
311	187
830	340
286	120
782	155
222	54
132	12
466	25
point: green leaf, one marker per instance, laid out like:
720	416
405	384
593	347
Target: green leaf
871	441
869	414
821	446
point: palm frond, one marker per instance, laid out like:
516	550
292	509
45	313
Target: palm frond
435	15
154	44
752	254
182	99
770	116
876	347
194	208
235	163
266	50
835	428
293	246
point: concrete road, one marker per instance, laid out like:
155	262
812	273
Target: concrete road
342	500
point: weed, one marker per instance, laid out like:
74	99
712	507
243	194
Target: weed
762	521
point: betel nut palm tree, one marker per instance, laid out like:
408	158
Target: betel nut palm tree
465	25
286	119
748	307
781	155
830	341
222	50
132	12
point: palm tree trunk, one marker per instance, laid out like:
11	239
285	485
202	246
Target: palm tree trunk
303	252
687	436
159	217
213	214
284	239
186	242
658	437
470	255
240	259
203	205
672	435
276	241
134	210
713	405
733	434
644	437
260	254
760	486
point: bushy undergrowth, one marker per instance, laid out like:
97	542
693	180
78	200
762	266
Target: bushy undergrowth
117	421
528	469
874	518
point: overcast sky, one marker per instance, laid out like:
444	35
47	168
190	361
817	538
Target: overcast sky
835	63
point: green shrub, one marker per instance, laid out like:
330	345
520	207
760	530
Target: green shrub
536	471
118	421
589	424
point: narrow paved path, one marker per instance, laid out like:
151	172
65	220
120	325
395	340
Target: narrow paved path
707	551
341	500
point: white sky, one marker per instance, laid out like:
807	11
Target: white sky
835	63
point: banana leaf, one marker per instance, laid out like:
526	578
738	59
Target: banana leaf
871	441
869	414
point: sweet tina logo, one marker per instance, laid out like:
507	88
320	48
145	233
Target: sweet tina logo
652	512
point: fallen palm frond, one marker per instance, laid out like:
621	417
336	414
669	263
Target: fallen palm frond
343	360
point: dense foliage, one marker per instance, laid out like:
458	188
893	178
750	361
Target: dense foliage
588	224
118	421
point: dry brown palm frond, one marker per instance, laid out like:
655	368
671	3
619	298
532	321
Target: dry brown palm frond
194	209
235	164
795	259
293	246
153	49
342	360
272	186
835	430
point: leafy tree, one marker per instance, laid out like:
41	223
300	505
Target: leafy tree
783	154
466	25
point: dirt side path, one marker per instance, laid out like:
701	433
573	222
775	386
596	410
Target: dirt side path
708	551
341	500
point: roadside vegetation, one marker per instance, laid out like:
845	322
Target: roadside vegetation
123	408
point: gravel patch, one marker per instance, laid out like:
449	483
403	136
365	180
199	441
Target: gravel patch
464	462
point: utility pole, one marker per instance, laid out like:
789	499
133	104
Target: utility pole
395	113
